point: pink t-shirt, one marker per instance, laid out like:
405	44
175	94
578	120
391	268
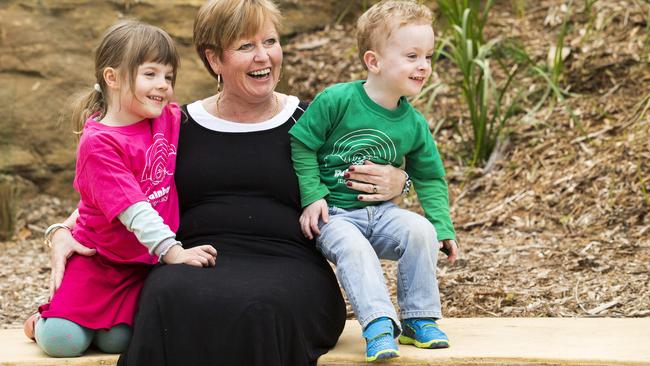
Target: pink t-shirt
117	167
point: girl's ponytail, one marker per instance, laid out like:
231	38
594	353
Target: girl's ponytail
85	105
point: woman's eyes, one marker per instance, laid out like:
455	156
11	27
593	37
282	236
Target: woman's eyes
250	46
245	47
169	77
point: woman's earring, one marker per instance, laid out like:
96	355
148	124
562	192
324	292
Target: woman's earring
218	83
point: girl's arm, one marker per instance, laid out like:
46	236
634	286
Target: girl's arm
388	180
63	247
72	219
144	221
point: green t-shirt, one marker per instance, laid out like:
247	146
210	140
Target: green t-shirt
343	126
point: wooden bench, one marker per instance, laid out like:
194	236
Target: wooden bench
474	341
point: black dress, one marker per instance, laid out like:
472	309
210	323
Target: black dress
271	299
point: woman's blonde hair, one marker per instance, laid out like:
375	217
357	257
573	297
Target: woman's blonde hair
125	46
220	23
376	24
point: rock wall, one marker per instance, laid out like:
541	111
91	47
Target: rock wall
46	57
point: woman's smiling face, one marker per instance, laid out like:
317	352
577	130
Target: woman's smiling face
250	67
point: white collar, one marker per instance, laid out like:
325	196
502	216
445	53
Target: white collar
209	121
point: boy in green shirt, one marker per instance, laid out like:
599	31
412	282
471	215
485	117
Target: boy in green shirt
353	122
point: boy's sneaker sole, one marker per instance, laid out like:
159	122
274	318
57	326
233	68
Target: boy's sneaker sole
432	344
383	355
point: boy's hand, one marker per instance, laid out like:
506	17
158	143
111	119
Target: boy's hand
450	248
201	256
309	218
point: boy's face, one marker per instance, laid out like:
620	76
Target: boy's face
404	59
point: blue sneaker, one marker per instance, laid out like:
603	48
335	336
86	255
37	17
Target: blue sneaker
423	333
380	344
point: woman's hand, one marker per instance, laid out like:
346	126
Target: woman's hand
63	247
450	248
310	216
201	256
378	182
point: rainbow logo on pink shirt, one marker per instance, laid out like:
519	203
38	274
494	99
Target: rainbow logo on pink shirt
158	158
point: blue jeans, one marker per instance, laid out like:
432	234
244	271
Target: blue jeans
354	240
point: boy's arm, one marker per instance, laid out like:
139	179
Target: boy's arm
305	164
427	172
434	199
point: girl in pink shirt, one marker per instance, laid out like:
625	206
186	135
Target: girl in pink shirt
128	211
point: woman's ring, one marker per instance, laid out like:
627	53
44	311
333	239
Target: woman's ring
374	188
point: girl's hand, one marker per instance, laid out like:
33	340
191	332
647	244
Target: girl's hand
201	256
63	247
377	182
310	216
450	248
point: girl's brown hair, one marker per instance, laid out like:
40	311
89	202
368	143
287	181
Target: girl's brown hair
125	46
220	23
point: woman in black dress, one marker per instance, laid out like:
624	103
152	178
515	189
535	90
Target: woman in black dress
271	299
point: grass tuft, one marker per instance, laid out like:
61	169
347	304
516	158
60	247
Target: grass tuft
8	197
489	110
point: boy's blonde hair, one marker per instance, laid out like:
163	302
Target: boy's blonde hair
124	46
376	24
220	23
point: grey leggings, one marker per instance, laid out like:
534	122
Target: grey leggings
62	338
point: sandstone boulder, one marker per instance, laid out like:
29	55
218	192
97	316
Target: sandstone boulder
46	57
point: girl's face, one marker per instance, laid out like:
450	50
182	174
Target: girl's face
152	91
250	67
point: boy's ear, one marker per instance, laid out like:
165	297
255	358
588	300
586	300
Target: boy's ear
371	59
214	61
111	77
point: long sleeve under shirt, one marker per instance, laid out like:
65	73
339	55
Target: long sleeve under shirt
343	126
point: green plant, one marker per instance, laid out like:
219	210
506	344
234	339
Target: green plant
429	92
588	5
552	71
557	53
453	12
519	7
361	6
8	196
467	49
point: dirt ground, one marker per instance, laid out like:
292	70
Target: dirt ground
558	227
